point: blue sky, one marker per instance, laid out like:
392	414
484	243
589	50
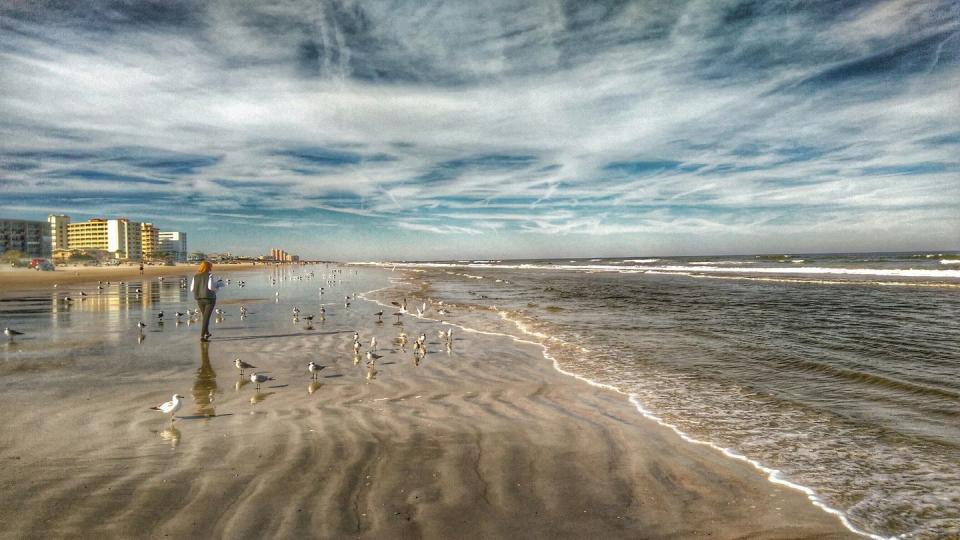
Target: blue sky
425	130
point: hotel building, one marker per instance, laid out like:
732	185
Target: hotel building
174	244
58	232
149	240
30	237
121	238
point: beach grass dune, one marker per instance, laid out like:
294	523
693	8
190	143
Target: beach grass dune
485	440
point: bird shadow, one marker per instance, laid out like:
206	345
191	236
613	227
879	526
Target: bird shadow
279	386
203	416
332	376
386	363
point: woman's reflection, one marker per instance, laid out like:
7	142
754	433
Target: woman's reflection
205	385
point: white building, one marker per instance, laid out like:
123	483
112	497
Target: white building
58	232
174	243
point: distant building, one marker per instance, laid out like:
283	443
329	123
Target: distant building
58	232
149	240
121	238
173	243
30	237
280	255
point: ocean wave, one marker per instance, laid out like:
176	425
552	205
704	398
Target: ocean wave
788	270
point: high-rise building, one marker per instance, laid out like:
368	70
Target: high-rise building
30	237
149	240
121	238
174	244
58	233
279	255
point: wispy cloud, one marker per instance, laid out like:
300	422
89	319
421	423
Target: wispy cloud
697	121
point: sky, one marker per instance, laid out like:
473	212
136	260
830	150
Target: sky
462	129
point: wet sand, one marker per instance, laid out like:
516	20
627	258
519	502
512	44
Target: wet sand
485	440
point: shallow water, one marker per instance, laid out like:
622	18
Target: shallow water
850	387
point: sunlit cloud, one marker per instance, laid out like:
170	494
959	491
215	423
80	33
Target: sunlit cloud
647	126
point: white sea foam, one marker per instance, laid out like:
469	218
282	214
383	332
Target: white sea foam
949	261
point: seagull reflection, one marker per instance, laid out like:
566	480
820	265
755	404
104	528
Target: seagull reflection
140	338
240	384
313	387
260	396
172	435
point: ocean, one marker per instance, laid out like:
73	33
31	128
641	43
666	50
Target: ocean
837	373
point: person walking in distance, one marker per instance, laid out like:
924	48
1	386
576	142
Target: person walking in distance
204	289
141	268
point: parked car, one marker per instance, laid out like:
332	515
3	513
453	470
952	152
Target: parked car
41	264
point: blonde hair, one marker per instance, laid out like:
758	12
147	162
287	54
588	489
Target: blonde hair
205	266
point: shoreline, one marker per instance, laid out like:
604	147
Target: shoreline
771	475
483	438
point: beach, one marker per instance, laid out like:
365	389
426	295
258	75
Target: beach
484	439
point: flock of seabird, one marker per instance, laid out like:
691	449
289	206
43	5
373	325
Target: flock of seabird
313	368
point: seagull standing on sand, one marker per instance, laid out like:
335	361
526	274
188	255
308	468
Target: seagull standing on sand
379	315
141	325
258	379
373	343
314	369
241	365
170	407
11	333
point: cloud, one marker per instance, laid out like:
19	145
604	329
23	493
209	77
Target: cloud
636	120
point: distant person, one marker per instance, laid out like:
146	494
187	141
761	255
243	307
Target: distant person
141	269
204	289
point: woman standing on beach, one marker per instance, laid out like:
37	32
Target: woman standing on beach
204	289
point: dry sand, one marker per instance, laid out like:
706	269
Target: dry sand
484	441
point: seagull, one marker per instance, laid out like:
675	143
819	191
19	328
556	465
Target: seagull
241	365
178	315
314	369
219	312
373	343
356	347
170	407
11	333
296	311
307	318
379	315
373	357
371	370
255	378
141	325
356	336
160	315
